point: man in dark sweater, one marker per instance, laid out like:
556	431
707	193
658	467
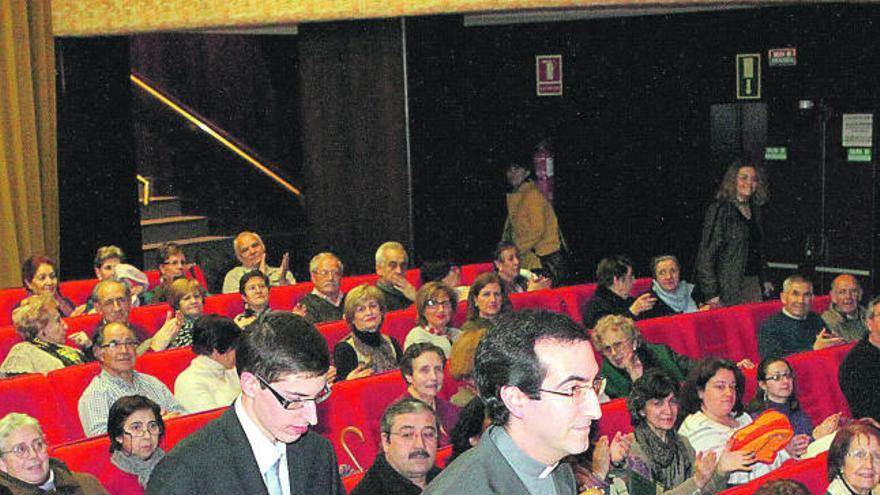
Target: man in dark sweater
326	301
409	449
795	328
391	264
861	367
615	278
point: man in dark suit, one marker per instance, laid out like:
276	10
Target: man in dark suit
262	444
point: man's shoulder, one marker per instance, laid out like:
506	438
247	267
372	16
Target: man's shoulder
213	434
775	321
472	472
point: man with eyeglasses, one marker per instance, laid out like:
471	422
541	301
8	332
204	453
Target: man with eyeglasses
409	450
860	369
115	346
391	264
326	302
262	443
25	465
536	371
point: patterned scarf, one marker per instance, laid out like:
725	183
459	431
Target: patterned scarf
135	465
667	460
66	354
373	349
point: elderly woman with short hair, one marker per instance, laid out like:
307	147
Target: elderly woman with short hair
39	324
136	429
25	465
365	350
187	299
674	295
435	305
854	460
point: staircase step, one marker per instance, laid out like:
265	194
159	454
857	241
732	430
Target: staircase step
158	230
195	248
161	206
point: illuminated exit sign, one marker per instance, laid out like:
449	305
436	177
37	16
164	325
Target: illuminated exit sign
782	57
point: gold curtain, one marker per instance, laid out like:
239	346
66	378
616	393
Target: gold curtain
28	170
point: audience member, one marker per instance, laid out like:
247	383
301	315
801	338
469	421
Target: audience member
25	465
254	290
711	405
614	277
391	264
795	328
472	423
113	303
210	381
461	364
514	278
532	226
326	301
854	460
674	465
783	487
422	368
435	305
135	427
106	259
731	265
846	316
365	350
251	253
486	301
628	356
115	346
136	280
859	370
535	370
171	267
40	276
673	295
262	444
445	272
44	333
187	299
409	450
777	390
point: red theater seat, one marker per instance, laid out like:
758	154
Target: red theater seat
165	365
470	272
176	429
575	298
549	299
228	305
33	395
8	299
285	298
678	332
811	472
78	291
615	417
69	384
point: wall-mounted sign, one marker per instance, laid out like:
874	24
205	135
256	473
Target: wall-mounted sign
548	72
858	154
782	57
748	76
858	130
776	153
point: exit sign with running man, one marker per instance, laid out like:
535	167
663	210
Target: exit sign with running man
548	75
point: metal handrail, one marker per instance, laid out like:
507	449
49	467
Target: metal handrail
146	182
215	132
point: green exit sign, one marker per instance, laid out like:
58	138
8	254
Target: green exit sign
776	153
748	76
858	154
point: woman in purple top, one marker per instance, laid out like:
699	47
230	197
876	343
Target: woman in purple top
422	367
776	390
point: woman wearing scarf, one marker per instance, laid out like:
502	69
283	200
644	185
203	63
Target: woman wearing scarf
674	296
675	467
135	428
365	351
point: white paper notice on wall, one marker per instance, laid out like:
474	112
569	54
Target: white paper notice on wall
858	130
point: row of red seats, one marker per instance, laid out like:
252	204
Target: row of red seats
152	317
77	291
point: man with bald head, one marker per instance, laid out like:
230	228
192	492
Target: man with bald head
251	252
846	316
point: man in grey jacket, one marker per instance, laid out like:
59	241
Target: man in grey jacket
536	372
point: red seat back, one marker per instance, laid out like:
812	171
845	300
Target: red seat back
8	299
8	338
678	332
78	291
165	365
33	395
176	429
811	472
68	385
228	305
470	272
285	298
549	299
615	417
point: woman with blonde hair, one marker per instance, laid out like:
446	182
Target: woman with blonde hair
39	324
365	350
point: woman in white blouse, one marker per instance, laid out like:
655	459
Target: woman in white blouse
211	380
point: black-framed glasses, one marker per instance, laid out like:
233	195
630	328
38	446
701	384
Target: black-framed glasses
299	402
138	428
113	344
22	449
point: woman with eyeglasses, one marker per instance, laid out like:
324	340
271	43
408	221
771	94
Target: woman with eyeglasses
39	324
777	390
854	460
25	465
135	428
365	351
711	405
254	290
674	465
435	306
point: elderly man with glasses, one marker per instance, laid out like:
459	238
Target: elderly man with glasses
262	443
115	346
